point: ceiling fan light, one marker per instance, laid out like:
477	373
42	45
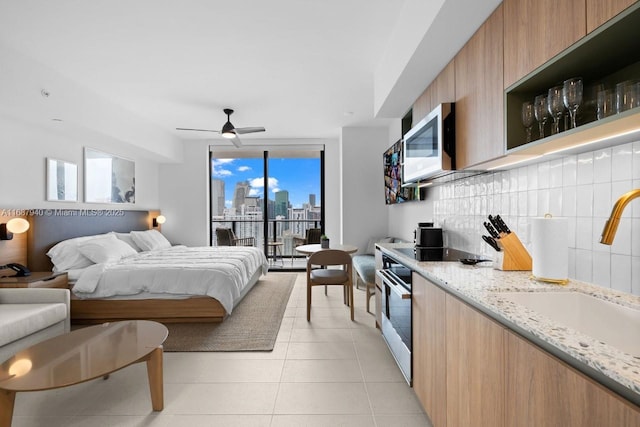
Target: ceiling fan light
228	130
229	134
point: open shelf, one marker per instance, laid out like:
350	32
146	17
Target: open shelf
608	55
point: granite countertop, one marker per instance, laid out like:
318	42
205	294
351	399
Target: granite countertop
481	286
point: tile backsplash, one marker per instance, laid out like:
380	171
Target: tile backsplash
581	188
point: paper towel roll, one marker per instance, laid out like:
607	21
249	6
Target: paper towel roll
550	254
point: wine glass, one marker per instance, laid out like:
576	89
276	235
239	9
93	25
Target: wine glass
541	111
555	106
572	97
527	118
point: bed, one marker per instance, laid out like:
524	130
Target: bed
114	276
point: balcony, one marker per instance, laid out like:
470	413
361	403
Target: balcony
279	230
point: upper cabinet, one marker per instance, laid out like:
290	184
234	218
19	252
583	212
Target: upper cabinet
600	11
442	89
601	60
524	48
535	31
479	95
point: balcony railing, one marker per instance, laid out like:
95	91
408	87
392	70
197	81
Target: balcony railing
279	230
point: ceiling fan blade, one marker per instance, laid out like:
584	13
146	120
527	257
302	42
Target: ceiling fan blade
199	130
249	130
236	141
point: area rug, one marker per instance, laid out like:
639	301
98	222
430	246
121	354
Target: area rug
252	326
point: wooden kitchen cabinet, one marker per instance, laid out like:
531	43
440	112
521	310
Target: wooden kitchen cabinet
475	367
429	348
600	11
536	31
541	390
479	95
442	89
422	106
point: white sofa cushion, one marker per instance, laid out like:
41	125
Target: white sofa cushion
20	320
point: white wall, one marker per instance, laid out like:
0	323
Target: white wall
184	190
364	213
26	146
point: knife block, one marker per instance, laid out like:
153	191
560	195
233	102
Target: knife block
514	256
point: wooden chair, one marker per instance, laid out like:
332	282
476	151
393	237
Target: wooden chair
226	237
325	276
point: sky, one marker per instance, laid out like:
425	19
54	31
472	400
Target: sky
300	177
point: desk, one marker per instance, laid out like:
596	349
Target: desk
275	248
309	249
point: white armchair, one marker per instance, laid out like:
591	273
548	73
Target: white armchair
28	316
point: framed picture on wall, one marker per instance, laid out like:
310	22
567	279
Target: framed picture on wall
108	178
62	181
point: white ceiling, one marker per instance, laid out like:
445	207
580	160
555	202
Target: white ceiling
300	68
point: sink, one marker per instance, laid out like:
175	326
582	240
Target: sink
613	324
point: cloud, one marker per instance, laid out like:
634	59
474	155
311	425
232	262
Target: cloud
222	161
254	192
244	168
259	182
218	169
220	173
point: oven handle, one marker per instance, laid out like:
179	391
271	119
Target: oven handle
390	280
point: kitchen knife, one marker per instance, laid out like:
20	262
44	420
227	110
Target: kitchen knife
503	226
492	231
495	223
491	242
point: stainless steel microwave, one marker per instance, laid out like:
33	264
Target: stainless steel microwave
429	147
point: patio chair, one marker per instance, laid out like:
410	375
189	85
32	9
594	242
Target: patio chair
226	237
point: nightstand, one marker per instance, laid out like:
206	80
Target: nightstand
37	279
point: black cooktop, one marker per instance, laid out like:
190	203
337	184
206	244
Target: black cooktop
436	254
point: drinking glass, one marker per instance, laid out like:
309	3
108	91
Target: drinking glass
627	95
605	104
528	118
572	97
588	111
541	111
556	107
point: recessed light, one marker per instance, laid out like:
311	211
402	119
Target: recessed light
57	120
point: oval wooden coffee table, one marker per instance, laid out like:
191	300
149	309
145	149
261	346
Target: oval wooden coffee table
83	355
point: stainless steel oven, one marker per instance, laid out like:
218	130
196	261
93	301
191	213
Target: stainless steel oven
396	312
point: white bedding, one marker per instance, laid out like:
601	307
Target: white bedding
219	272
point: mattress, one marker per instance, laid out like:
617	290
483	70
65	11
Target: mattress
222	273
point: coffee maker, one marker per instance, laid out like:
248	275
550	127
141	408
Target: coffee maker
427	238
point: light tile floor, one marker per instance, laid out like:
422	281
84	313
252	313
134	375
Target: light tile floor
329	372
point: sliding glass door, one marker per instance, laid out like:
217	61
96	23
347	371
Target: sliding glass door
272	195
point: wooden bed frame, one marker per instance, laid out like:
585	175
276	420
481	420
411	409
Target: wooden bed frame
47	230
188	310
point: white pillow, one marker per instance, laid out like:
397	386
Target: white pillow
126	237
108	249
66	256
150	240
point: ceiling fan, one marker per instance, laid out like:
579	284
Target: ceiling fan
229	131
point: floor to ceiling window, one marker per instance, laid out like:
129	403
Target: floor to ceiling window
273	195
